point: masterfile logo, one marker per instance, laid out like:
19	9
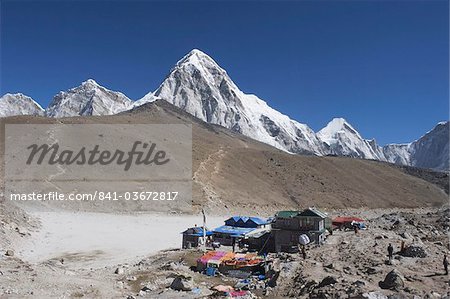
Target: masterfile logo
137	167
51	154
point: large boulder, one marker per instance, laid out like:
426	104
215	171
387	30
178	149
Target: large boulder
327	281
371	270
414	251
182	283
394	280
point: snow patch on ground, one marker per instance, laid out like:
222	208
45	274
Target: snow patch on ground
98	239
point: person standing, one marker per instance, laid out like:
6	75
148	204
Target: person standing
304	252
390	251
445	263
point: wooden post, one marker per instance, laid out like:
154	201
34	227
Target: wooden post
204	230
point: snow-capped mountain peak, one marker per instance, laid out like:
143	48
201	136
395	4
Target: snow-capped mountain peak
429	151
335	127
344	140
90	83
197	57
202	88
19	104
89	98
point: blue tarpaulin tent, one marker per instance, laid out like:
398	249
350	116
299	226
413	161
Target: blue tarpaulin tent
196	231
233	231
243	221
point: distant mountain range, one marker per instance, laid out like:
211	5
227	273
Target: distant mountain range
199	86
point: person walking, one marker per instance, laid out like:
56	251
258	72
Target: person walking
445	263
390	251
304	252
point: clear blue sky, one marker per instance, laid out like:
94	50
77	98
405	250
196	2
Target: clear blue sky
381	65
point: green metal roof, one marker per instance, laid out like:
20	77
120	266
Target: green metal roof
313	212
287	214
307	212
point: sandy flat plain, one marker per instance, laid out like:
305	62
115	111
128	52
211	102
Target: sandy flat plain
99	239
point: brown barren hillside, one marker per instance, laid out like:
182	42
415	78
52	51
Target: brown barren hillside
233	173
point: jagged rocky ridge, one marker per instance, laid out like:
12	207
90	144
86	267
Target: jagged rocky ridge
88	99
198	85
19	104
429	151
201	87
343	140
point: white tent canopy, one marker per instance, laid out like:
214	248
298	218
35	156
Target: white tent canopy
303	239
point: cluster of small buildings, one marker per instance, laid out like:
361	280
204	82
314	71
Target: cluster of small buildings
255	237
281	233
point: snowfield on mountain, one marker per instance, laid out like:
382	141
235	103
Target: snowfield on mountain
19	104
198	85
344	140
88	99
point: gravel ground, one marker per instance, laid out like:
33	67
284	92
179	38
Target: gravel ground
348	265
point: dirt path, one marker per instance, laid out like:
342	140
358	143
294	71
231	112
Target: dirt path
207	169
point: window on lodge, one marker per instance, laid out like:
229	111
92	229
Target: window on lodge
307	222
